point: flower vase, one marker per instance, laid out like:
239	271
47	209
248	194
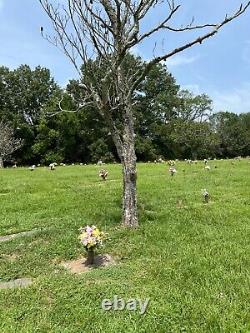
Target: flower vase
90	257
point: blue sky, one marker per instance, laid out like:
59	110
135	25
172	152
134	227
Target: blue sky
219	67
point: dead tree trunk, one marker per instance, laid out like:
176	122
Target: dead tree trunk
130	218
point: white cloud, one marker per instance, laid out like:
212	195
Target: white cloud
1	4
236	100
180	60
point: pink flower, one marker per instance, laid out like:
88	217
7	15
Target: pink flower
89	230
85	241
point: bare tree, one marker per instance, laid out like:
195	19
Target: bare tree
8	143
100	34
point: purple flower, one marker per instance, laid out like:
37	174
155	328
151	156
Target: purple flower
89	230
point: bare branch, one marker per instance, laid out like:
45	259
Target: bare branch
8	143
188	45
98	34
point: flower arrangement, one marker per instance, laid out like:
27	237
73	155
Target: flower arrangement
32	168
171	163
172	171
103	174
52	166
91	238
205	195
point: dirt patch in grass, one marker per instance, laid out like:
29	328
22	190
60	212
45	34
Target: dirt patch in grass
79	265
18	283
180	204
10	257
20	234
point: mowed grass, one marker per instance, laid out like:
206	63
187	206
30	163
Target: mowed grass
191	259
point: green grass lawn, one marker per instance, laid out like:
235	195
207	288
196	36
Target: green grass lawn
192	262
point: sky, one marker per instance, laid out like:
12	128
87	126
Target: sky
220	67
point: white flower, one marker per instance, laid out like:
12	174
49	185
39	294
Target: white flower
204	192
205	195
172	171
52	166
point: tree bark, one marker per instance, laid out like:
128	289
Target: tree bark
1	162
130	218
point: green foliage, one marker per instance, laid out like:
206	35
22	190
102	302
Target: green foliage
23	94
233	133
145	150
99	150
197	140
169	122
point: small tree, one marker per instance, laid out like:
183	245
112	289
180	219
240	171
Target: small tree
8	143
101	33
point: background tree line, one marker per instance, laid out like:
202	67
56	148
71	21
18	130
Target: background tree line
170	122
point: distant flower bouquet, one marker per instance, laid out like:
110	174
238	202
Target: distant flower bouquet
205	195
91	238
171	163
172	171
103	174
